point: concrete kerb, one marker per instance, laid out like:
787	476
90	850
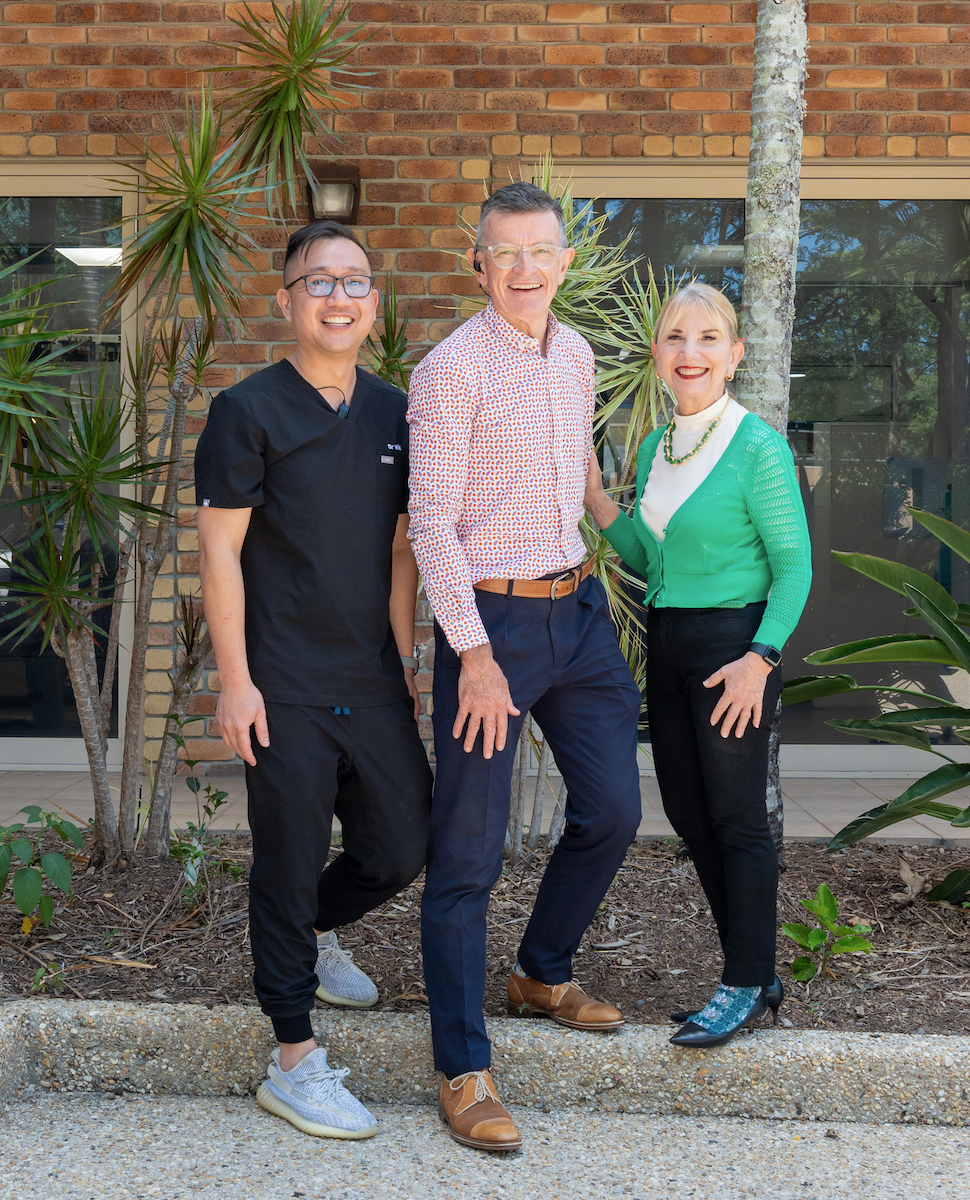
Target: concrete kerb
190	1050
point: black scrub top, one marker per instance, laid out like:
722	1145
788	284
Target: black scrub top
326	493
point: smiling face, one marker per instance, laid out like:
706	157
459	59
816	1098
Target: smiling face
694	356
333	326
522	294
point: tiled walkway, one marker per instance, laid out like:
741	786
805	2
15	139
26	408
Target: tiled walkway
814	808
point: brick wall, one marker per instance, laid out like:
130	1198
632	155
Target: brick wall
462	92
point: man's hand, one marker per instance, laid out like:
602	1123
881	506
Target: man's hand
483	700
413	691
744	690
602	508
239	708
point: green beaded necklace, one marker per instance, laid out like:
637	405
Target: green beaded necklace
668	442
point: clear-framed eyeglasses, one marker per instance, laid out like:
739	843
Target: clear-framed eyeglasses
356	287
505	256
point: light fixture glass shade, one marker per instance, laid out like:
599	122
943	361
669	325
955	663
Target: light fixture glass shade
333	201
92	256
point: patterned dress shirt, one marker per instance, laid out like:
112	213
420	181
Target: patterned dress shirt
500	443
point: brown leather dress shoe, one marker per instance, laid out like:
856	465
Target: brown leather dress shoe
470	1107
564	1002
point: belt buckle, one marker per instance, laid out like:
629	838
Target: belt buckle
574	572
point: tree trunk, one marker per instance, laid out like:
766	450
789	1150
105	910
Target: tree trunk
513	836
160	817
539	797
771	242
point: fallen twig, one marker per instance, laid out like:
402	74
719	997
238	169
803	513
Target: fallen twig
40	962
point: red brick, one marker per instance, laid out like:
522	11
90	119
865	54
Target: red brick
55	34
486	77
389	56
514	14
855	79
917	123
88	101
424	122
888	101
829	56
396	147
459	147
744	12
364	122
542	33
943	56
698	56
390	100
376	168
424	260
452	56
811	123
455	100
512	56
701	101
24	56
870	147
56	77
949	101
192	14
396	193
117	77
854	33
597	147
856	123
393	238
32	101
606	35
456	193
143	56
426	168
15	123
427	214
610	123
699	14
575	56
634	56
452	14
829	101
151	99
131	13
59	123
82	56
726	77
943	14
886	14
839	147
917	33
640	101
421	77
829	14
930	147
548	123
638	14
456	285
203	56
607	78
743	55
72	145
548	77
517	101
733	123
77	14
669	77
916	77
885	56
423	34
29	14
173	77
960	79
485	122
717	34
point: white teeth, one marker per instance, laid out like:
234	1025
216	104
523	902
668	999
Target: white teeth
337	321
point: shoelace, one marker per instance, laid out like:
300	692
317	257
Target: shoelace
481	1087
336	952
323	1083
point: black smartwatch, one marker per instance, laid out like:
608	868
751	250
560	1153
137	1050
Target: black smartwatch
771	656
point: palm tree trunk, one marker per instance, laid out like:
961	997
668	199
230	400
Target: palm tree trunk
771	247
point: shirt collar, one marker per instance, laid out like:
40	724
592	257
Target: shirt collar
501	328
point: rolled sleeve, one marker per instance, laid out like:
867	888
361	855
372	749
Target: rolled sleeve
440	413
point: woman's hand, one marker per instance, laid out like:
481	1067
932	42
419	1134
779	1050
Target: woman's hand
603	510
744	690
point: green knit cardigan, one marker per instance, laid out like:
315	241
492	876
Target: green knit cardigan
739	538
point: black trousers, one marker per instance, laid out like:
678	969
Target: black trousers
713	788
369	768
562	661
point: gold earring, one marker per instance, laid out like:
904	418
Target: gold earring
730	377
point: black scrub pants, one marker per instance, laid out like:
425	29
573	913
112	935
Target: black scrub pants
563	663
713	788
369	768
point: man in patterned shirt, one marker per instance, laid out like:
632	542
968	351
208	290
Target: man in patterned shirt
501	433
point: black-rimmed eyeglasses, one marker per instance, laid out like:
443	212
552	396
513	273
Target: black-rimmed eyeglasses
356	287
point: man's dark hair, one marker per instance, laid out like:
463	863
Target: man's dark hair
521	198
319	231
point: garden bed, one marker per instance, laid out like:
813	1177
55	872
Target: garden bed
136	934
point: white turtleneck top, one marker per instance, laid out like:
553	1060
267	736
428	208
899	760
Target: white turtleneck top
667	486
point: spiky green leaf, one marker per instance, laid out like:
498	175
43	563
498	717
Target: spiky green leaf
898	647
917	738
814	687
896	576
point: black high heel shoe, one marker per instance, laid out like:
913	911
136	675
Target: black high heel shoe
774	995
696	1037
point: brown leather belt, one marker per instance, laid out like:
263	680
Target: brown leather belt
539	589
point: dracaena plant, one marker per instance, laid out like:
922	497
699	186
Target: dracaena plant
943	643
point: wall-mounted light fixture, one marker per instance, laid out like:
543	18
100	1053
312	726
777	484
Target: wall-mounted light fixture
92	256
333	190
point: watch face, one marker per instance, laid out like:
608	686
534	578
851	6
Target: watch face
772	656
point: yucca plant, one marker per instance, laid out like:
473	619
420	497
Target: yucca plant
945	644
388	353
291	61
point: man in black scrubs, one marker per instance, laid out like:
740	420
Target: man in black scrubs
309	586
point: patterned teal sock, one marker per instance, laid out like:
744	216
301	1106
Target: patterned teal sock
726	1008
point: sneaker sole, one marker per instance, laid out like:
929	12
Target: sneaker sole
332	998
279	1108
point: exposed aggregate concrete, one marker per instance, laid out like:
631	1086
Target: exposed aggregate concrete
85	1147
190	1050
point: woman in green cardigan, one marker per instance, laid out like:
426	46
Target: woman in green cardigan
719	533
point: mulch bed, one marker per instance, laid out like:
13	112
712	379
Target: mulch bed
651	947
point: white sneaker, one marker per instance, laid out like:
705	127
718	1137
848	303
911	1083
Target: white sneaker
340	981
312	1097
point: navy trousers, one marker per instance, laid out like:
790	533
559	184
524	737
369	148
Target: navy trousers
563	663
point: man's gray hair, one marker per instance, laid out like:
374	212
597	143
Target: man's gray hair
520	198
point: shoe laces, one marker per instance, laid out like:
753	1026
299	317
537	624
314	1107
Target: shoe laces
482	1091
335	954
323	1082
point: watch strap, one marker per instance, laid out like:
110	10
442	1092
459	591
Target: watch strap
771	656
409	660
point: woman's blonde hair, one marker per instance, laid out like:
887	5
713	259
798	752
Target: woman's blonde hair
717	306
